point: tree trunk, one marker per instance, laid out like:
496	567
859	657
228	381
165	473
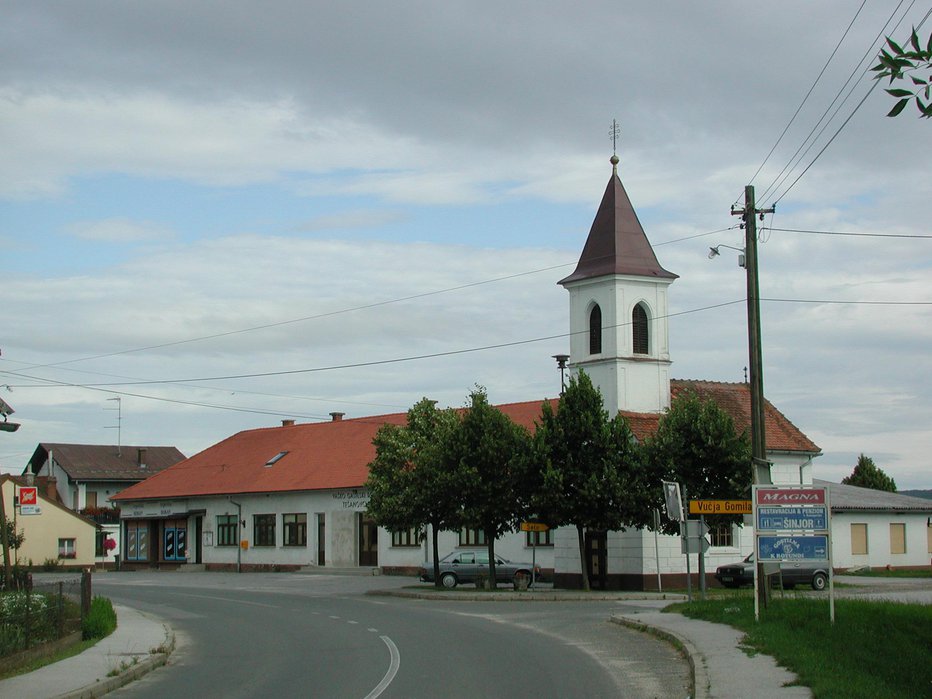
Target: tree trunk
490	538
583	563
434	535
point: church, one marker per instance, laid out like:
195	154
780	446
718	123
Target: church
293	497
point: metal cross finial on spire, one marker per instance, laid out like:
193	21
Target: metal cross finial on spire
615	133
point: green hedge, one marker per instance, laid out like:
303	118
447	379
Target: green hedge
100	621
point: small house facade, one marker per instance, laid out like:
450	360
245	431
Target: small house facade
83	477
53	534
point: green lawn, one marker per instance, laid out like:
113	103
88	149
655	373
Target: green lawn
874	649
881	573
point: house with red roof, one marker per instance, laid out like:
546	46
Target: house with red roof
83	477
294	496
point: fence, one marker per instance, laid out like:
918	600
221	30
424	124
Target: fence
37	612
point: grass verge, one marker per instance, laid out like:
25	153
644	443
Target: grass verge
881	573
874	649
42	661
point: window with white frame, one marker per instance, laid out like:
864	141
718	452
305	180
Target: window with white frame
407	538
722	535
66	548
472	537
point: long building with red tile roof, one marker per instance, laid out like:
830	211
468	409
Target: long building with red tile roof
295	495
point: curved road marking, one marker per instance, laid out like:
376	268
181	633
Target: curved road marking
393	666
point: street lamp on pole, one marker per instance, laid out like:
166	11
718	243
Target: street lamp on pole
562	359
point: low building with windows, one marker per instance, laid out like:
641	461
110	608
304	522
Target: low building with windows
53	535
83	477
294	495
877	529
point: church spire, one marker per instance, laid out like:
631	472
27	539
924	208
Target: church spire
617	243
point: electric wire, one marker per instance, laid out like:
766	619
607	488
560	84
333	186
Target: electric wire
812	138
808	94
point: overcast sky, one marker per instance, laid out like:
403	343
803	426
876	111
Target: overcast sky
337	191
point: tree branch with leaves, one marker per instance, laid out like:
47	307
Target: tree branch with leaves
914	62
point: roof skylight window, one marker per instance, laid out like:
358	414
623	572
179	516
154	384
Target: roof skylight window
275	458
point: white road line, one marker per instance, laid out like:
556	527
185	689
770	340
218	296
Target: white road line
393	666
227	599
372	630
352	622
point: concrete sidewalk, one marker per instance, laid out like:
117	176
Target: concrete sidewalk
139	644
721	670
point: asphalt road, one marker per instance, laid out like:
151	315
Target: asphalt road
294	635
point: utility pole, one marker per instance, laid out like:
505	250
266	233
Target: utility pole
760	467
760	471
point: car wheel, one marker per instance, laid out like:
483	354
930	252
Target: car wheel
819	581
448	580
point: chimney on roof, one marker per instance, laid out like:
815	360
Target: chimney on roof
336	417
141	457
30	478
287	423
51	488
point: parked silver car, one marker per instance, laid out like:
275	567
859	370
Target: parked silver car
466	566
813	573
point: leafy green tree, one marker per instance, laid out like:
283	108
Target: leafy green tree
492	454
591	471
868	475
696	445
410	485
900	63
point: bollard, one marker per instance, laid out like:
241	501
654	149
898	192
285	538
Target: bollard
85	593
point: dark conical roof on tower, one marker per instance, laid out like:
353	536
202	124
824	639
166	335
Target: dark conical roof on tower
617	244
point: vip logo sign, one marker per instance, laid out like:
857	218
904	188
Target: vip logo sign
29	500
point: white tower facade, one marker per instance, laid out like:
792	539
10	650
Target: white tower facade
618	309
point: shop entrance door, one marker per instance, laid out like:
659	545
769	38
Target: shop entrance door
368	540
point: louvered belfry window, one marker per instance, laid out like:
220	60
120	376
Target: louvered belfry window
595	330
639	329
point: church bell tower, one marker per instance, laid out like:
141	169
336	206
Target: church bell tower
618	309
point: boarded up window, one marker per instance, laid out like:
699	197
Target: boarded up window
897	538
858	539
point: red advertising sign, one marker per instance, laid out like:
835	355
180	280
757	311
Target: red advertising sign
790	496
29	496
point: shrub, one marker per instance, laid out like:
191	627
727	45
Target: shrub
12	639
100	620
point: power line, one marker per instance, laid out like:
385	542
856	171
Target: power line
794	161
353	309
808	94
857	235
447	353
359	365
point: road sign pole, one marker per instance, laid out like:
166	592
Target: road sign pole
702	559
684	530
657	547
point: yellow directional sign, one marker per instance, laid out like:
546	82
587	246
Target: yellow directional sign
534	527
719	507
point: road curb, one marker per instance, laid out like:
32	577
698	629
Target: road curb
525	596
132	673
699	676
